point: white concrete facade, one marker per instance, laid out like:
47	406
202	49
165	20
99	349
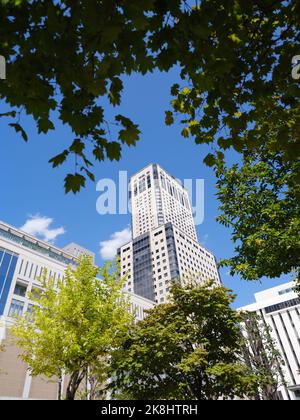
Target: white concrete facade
77	250
139	306
279	307
22	261
164	245
32	257
158	198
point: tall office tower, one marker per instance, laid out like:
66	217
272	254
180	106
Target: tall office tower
279	308
158	198
164	244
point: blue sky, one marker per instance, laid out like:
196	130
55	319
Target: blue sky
30	186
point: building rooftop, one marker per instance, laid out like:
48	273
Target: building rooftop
28	241
151	164
271	296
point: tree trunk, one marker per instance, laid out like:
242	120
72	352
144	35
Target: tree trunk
59	389
74	382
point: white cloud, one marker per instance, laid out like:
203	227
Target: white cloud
39	226
108	249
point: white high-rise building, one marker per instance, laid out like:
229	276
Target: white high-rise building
164	244
158	198
279	307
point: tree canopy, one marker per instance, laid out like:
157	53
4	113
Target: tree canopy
75	325
64	58
189	348
260	202
66	61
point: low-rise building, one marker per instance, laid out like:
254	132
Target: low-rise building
22	261
279	307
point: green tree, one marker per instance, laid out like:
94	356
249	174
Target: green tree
189	348
262	356
260	203
75	324
64	58
297	287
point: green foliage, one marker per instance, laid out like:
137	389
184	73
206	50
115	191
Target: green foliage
209	160
235	60
186	349
75	324
262	356
74	182
297	286
260	202
169	118
19	129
